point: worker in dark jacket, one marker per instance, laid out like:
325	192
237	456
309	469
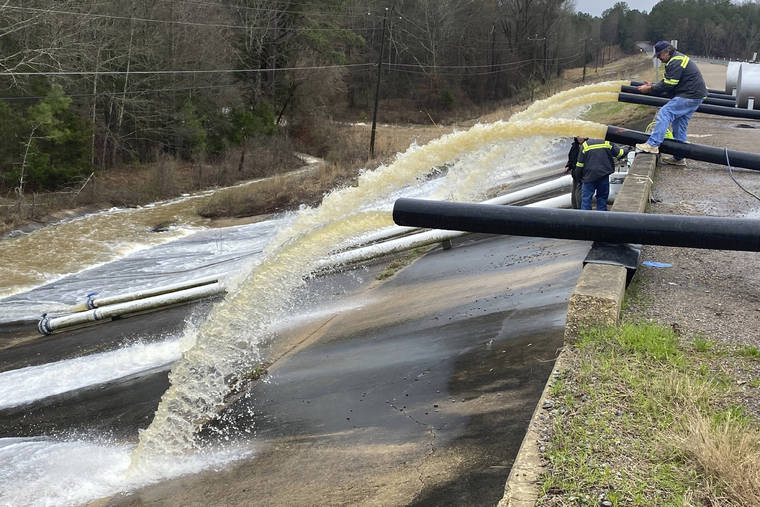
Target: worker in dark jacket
596	161
683	82
570	167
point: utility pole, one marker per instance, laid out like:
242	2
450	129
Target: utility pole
536	38
377	88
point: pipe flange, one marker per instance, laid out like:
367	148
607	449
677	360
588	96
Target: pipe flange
91	301
43	326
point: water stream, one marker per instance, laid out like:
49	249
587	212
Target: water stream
225	345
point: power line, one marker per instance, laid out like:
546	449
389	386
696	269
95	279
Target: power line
153	72
270	9
399	68
165	21
121	93
456	74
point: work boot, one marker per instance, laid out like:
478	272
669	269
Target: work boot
648	148
670	160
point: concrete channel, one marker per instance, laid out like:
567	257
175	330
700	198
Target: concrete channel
418	394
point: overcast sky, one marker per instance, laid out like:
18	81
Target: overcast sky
596	7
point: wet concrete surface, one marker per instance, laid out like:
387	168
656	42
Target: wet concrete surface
420	396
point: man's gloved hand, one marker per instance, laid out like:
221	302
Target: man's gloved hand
645	88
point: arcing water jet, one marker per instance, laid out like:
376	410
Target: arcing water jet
226	344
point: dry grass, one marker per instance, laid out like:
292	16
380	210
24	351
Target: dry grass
139	184
644	417
727	452
629	67
279	193
345	157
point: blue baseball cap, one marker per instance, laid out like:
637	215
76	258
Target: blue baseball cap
661	46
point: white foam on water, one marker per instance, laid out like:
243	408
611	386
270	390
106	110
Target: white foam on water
41	471
25	385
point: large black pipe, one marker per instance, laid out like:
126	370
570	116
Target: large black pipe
708	100
716	94
716	233
688	150
649	100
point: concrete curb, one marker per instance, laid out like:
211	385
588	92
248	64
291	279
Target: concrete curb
596	300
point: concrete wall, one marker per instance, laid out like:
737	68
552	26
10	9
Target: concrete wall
595	301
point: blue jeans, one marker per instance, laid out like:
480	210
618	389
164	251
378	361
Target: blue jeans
677	112
602	189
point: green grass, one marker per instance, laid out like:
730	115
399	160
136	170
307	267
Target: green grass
702	344
634	297
622	421
399	263
617	113
749	352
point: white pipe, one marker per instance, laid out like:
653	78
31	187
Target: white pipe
518	195
541	188
49	324
96	302
109	307
437	236
416	240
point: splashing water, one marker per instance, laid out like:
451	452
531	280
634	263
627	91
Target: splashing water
226	344
41	471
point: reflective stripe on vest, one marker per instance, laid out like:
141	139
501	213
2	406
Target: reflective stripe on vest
587	147
684	62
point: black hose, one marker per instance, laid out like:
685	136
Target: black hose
708	100
716	233
687	150
731	174
716	94
650	100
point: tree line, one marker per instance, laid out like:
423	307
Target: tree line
94	84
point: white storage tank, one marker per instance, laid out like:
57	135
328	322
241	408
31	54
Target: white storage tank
732	76
748	85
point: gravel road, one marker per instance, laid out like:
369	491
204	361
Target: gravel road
714	293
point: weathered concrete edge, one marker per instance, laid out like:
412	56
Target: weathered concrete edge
596	300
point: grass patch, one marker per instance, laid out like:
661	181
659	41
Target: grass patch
618	113
634	296
643	420
750	352
399	263
279	193
702	344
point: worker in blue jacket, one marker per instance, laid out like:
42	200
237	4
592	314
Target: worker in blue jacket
596	161
683	82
